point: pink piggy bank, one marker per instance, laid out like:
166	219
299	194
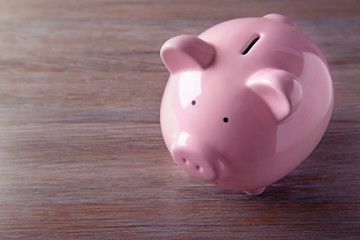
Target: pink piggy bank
246	101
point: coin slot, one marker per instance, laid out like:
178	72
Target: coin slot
250	45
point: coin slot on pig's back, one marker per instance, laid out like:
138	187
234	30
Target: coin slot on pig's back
251	43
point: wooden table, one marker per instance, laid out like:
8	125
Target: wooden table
81	152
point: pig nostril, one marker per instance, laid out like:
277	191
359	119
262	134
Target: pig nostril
197	167
185	161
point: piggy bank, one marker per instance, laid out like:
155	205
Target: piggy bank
246	101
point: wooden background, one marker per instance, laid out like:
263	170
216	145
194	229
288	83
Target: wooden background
81	152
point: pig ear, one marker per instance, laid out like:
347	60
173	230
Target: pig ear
280	18
186	51
279	89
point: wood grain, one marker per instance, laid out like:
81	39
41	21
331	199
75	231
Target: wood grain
81	152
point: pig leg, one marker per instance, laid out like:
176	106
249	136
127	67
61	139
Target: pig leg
255	192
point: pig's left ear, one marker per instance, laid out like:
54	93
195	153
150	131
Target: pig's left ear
185	52
279	89
280	18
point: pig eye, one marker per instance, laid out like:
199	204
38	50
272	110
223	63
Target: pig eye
193	102
225	119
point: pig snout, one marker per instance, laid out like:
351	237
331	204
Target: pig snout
196	158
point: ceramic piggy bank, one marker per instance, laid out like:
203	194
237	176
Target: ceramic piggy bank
246	101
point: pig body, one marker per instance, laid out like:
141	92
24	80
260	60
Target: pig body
246	101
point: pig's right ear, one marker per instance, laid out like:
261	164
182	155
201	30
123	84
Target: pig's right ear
186	52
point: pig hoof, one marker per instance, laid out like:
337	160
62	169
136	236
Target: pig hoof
255	192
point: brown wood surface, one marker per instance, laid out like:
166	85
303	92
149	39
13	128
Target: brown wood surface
81	152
